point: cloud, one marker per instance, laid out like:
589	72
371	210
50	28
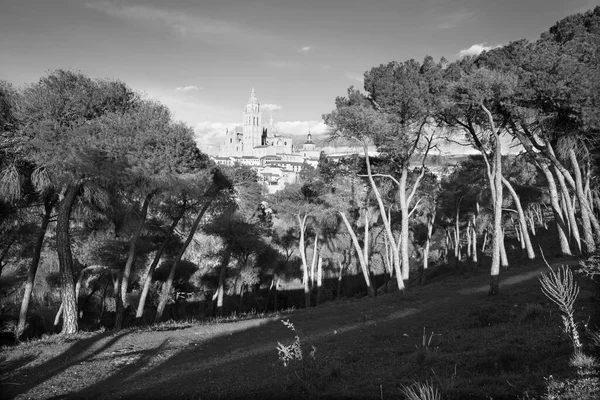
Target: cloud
453	19
207	29
271	107
187	88
305	49
475	50
355	77
300	128
209	135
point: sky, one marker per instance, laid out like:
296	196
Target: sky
201	58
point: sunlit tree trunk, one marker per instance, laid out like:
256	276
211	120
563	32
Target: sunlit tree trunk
556	209
313	262
385	219
503	256
164	295
65	257
360	253
522	221
496	186
474	238
132	245
35	261
404	224
147	279
485	239
568	210
430	222
339	285
590	244
305	278
319	279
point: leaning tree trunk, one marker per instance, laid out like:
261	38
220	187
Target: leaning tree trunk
590	244
556	209
164	295
305	278
525	235
384	217
148	275
361	258
569	210
35	261
132	245
65	258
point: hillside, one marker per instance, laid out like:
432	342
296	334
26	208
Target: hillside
476	346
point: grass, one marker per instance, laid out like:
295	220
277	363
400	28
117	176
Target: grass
463	346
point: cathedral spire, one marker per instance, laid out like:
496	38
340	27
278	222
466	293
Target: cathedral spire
252	99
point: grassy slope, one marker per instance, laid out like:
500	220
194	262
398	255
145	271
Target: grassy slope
481	347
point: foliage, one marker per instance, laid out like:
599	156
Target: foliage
560	287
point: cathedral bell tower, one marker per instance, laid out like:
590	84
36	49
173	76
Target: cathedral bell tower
252	124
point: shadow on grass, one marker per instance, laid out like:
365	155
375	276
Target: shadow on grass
23	378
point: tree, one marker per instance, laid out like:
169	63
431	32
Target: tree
54	114
213	185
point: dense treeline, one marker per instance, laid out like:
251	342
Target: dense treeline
106	199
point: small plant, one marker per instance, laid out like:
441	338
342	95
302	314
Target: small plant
292	352
426	340
560	287
420	391
583	362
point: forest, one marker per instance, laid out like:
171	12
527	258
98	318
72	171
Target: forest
111	217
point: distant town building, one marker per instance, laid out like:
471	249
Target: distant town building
272	155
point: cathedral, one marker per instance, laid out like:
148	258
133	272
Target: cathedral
273	156
253	139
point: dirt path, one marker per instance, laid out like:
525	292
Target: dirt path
239	359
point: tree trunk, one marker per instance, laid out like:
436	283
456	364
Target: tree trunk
35	261
147	279
404	256
457	237
522	221
503	257
242	287
590	244
430	222
132	244
276	295
569	210
361	258
221	290
164	295
313	262
485	238
496	187
385	219
474	246
65	258
339	285
558	218
319	279
302	225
